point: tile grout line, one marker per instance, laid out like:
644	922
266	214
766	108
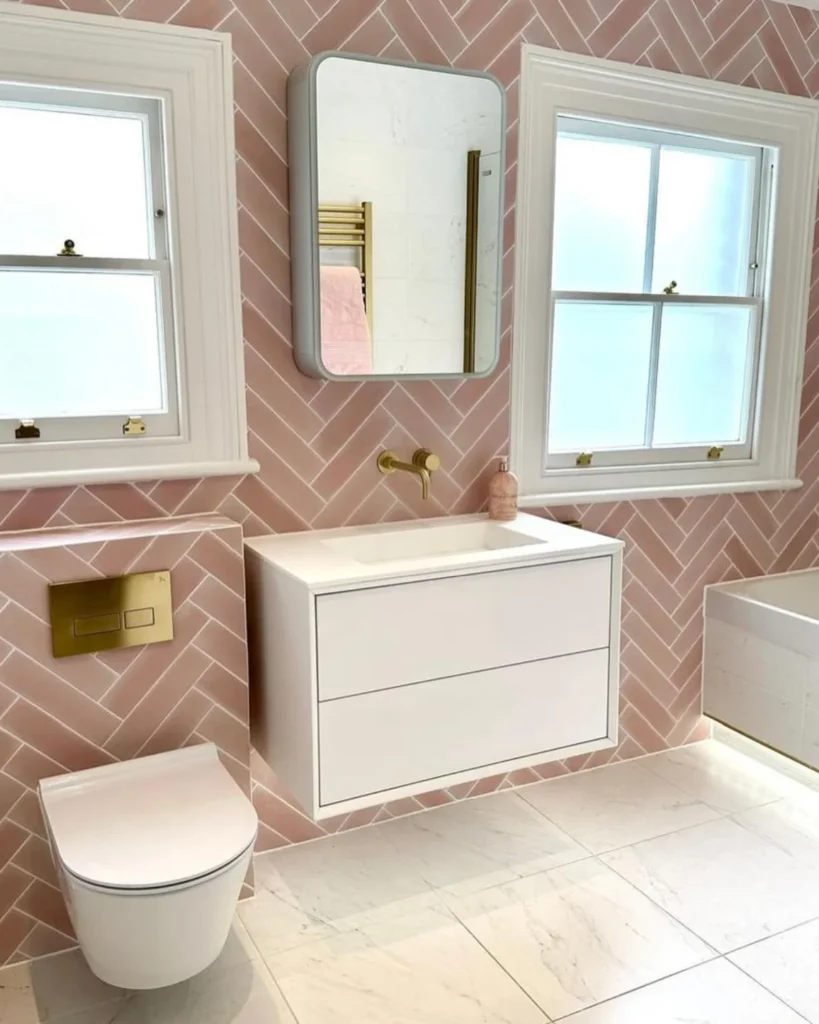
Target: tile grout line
761	984
675	974
465	928
719	954
637	988
773	935
266	967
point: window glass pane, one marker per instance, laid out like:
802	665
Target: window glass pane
705	359
73	175
601	214
704	214
79	344
599	378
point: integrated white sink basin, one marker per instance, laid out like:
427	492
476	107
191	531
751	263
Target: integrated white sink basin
357	554
430	541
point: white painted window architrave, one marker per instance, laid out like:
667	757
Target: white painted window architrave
565	89
179	82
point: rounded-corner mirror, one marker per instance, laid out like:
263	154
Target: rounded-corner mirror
396	190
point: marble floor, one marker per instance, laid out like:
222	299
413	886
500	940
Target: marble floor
682	888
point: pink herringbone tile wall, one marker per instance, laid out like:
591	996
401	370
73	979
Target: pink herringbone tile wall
316	442
67	714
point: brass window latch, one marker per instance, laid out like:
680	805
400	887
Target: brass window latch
584	459
27	431
671	289
715	452
68	249
134	426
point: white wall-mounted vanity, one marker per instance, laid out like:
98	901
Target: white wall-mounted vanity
393	660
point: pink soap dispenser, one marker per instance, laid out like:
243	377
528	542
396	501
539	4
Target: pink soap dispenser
503	494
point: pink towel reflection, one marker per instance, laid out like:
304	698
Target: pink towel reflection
346	347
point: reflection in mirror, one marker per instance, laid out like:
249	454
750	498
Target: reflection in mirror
409	164
345	235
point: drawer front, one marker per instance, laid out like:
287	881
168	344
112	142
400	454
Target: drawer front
386	636
422	733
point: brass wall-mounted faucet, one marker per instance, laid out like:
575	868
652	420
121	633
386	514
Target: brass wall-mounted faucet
423	463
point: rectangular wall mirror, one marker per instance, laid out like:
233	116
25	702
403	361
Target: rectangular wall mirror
396	207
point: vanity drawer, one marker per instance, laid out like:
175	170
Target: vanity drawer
387	636
420	733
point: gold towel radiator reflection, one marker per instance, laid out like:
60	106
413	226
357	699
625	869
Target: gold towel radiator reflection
347	226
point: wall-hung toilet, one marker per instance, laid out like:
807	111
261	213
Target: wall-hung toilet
151	855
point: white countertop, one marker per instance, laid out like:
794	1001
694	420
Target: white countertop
313	557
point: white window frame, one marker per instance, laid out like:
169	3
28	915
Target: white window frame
189	71
553	84
751	297
156	265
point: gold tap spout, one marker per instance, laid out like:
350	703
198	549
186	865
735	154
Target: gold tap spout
423	463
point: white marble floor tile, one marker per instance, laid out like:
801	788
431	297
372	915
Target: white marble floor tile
719	776
469	846
791	825
336	884
786	964
715	993
17	1002
239	994
577	934
236	989
728	885
616	806
419	968
51	987
238	948
272	922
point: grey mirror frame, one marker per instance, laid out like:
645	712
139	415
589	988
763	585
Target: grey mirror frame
302	151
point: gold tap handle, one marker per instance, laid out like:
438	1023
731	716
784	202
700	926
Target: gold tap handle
425	459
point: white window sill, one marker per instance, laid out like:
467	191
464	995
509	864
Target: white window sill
638	493
128	474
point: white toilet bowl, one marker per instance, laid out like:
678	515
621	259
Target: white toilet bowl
151	855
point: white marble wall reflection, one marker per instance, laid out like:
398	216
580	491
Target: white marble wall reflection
398	137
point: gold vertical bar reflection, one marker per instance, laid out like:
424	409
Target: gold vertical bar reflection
473	184
367	269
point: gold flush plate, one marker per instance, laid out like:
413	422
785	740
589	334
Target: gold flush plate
110	612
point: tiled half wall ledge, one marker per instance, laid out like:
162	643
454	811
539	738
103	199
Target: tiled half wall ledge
66	714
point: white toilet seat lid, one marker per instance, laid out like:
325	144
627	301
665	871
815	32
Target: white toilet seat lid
154	821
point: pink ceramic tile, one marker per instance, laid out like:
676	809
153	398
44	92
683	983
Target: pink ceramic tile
44	687
34	856
153	661
161	698
14	927
226	690
178	729
12	837
45	903
341	20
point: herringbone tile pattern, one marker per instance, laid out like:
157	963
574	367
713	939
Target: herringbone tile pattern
316	442
75	713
